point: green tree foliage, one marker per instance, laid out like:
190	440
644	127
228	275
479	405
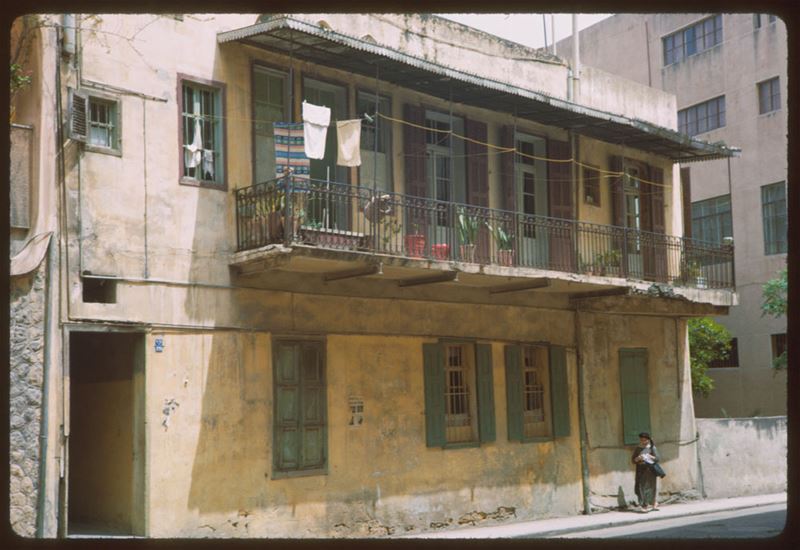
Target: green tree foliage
775	293
708	340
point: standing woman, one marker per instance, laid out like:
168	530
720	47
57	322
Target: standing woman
645	485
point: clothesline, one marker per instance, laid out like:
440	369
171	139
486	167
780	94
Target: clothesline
499	149
610	173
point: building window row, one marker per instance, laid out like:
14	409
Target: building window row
459	397
758	19
692	40
703	117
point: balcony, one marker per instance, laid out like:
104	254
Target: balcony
341	223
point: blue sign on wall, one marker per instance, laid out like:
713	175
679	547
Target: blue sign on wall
159	345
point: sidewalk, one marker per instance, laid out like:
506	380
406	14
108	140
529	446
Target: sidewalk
553	526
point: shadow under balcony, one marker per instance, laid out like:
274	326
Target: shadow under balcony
299	232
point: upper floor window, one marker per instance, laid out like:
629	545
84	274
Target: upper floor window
103	123
376	141
270	101
758	19
202	135
711	219
692	40
773	211
95	120
769	95
703	117
591	186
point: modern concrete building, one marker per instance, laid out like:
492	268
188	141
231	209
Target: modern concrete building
729	74
206	345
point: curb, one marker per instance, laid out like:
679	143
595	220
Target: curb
649	517
711	507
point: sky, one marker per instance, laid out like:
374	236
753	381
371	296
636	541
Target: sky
527	29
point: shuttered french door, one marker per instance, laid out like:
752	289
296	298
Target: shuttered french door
300	428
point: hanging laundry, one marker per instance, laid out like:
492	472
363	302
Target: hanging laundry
316	119
194	150
290	149
208	164
348	135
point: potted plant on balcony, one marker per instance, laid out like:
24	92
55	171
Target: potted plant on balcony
608	263
415	243
390	228
585	267
270	213
694	274
505	245
467	233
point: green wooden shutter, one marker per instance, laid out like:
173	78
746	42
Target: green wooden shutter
559	391
486	427
635	394
286	438
514	392
434	395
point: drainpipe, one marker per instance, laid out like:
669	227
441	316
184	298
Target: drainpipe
68	24
45	424
584	439
576	60
553	30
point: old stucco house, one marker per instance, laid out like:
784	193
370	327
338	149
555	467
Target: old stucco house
472	324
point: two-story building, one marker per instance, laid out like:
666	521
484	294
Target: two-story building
472	325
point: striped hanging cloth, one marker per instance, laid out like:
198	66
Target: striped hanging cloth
290	149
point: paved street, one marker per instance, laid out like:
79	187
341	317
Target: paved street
756	522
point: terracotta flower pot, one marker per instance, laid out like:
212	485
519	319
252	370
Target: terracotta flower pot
505	257
467	253
440	251
415	245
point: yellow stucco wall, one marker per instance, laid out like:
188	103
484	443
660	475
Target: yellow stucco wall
212	463
670	401
210	467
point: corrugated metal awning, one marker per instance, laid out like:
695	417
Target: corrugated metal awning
312	43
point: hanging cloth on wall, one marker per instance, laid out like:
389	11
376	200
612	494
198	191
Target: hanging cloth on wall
316	119
194	150
348	135
290	149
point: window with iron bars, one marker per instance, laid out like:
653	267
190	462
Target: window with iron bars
534	391
459	394
731	360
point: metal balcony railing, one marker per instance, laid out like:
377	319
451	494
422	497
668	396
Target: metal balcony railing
296	210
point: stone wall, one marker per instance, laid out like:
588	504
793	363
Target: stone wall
742	456
27	306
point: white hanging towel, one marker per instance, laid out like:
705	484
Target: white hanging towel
348	134
194	151
316	119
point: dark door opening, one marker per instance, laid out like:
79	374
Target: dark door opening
105	444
